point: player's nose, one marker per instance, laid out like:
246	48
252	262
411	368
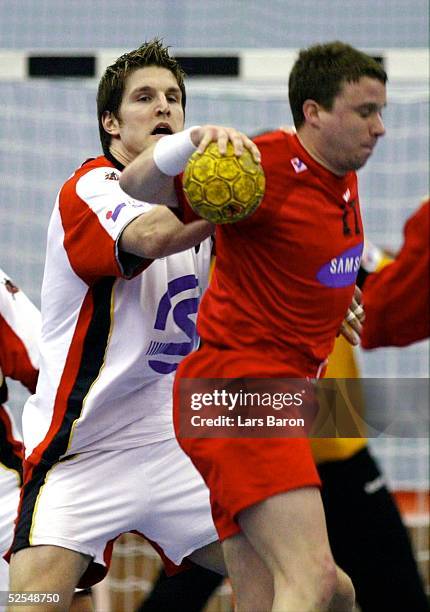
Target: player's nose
163	106
378	126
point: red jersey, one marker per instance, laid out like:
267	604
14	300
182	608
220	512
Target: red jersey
285	276
396	299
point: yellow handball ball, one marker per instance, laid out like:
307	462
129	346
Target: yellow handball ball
223	188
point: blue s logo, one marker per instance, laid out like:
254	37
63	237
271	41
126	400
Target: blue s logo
181	315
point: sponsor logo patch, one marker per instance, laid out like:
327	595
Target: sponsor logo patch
114	214
111	176
341	271
298	165
10	287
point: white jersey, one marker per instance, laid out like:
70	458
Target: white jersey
114	327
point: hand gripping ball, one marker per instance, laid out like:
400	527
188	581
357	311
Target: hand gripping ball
223	188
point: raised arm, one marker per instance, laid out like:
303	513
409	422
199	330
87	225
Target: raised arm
159	233
150	175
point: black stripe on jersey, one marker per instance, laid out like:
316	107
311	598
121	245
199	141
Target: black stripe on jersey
94	348
92	359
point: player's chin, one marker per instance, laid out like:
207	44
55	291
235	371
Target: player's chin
361	160
367	152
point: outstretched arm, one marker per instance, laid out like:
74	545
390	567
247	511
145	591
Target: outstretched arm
149	177
160	233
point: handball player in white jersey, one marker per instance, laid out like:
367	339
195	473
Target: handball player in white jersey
19	335
122	283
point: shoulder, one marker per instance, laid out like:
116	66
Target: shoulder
95	177
274	138
276	147
98	170
420	220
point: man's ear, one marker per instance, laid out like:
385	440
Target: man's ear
110	123
311	112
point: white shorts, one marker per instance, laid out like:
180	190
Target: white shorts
9	499
88	500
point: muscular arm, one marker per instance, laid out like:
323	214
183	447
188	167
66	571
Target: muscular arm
159	233
143	180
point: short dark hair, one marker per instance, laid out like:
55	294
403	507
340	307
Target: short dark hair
320	72
112	83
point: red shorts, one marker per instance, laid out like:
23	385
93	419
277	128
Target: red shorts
241	472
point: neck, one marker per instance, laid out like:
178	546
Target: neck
119	154
308	143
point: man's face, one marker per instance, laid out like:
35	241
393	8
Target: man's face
349	131
150	108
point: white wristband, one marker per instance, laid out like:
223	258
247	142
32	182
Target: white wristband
171	153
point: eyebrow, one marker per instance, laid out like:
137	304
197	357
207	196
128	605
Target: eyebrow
371	106
149	89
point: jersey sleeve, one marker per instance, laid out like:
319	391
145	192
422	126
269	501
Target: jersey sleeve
94	211
19	334
396	299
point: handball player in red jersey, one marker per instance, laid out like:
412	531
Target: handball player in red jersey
282	284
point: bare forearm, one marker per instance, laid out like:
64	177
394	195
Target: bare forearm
150	176
188	236
160	233
143	180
